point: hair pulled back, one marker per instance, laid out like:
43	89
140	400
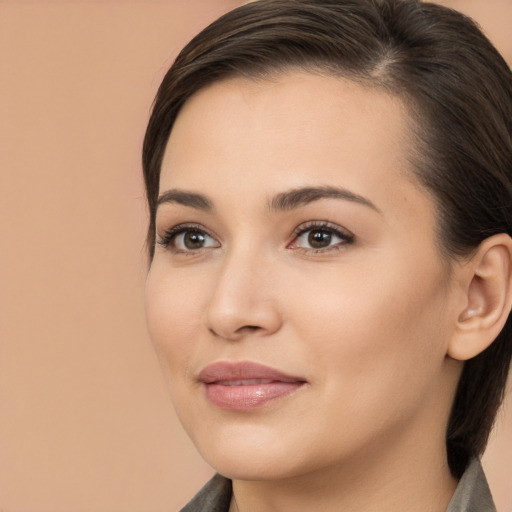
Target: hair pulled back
458	91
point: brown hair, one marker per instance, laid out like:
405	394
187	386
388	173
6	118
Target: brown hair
458	90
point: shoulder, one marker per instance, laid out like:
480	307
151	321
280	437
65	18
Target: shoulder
215	496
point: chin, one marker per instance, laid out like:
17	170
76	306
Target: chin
250	454
261	468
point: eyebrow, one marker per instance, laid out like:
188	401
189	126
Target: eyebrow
185	198
284	201
298	197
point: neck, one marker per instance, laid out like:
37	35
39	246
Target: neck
415	480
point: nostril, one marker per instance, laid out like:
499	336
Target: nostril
238	333
248	328
231	317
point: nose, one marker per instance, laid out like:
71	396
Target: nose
244	299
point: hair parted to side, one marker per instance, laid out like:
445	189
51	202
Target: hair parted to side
458	91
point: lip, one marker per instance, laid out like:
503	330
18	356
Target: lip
244	386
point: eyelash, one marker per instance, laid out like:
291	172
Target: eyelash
171	234
345	236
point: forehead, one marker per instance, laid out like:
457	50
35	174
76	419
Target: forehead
247	136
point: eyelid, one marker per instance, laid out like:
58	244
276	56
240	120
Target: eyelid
325	224
172	233
344	234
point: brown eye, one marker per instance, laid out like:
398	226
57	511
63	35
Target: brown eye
319	238
185	238
193	240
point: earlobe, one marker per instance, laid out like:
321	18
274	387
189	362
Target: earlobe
488	298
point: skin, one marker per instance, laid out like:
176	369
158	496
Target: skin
368	321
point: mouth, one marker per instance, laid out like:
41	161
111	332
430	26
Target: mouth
244	386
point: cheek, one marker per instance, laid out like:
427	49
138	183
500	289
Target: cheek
173	317
374	326
375	343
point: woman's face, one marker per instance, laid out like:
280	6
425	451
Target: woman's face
297	298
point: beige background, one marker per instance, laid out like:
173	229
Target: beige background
85	420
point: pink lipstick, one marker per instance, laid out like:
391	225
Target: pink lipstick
244	386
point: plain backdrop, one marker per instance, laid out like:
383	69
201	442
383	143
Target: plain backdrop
85	420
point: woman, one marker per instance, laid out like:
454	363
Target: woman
329	186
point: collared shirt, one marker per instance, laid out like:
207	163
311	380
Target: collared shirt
472	494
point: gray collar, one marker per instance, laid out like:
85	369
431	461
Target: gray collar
472	494
215	496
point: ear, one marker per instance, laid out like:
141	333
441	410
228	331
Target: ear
488	299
